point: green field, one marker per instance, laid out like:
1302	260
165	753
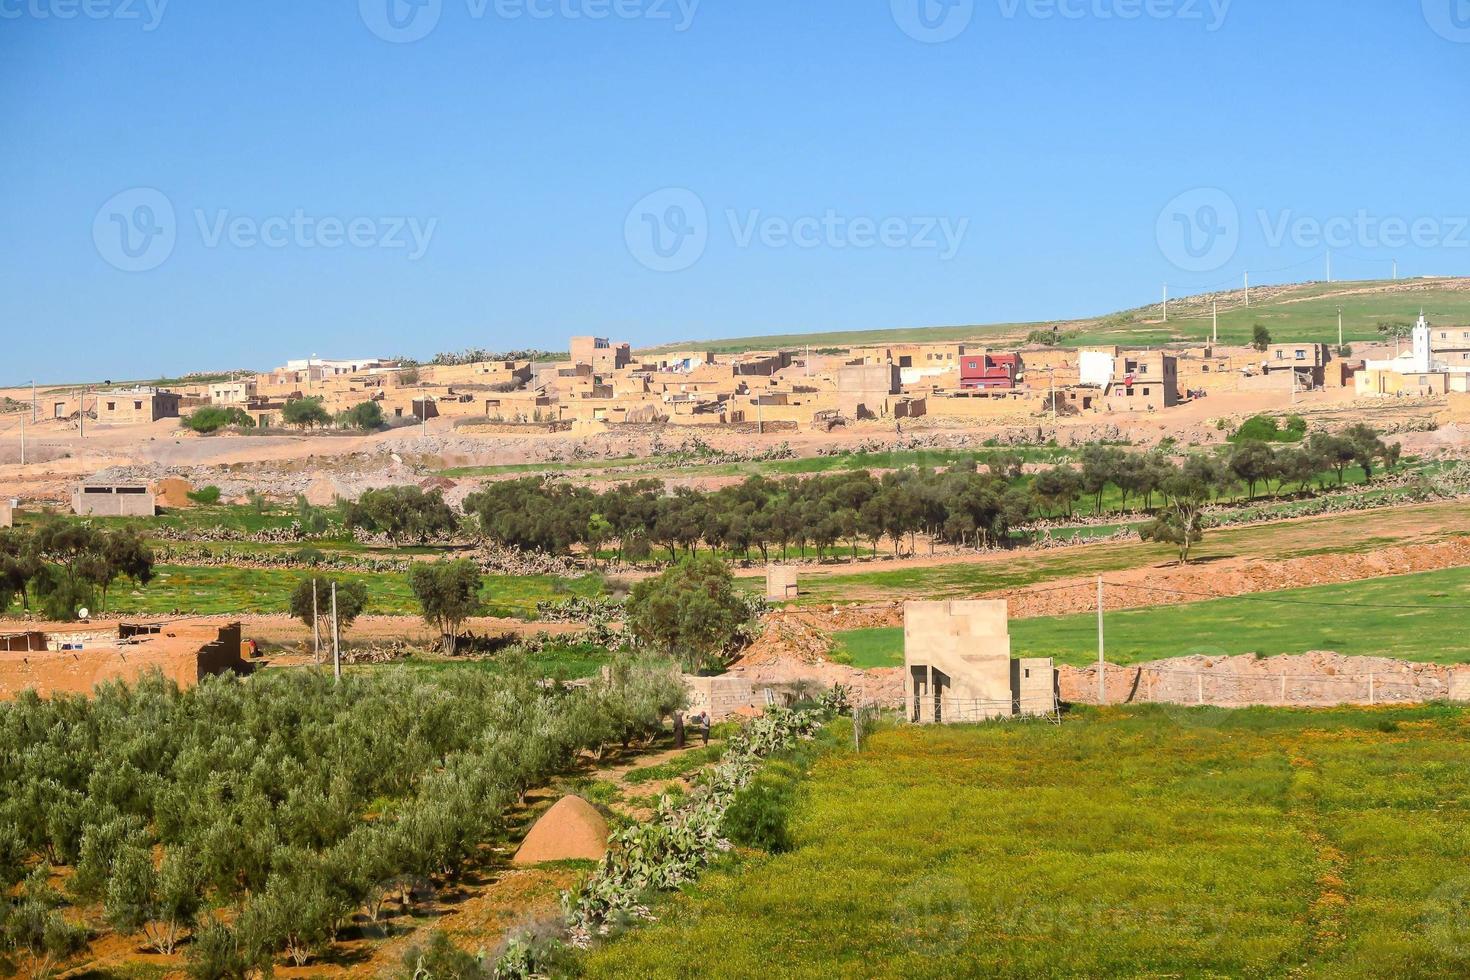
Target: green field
1302	313
222	590
1350	619
1138	842
1305	313
843	583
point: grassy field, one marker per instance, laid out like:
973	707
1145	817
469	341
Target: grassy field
222	590
1357	619
1301	313
1305	313
839	583
560	661
1133	842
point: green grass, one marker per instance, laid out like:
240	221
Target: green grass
221	590
563	662
1359	624
1244	624
1138	842
869	648
1305	312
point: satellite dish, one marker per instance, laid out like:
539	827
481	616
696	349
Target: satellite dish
82	612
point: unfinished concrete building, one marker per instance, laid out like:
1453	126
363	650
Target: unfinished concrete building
958	666
781	583
867	391
600	354
103	499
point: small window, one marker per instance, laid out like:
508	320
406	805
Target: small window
1281	355
112	406
1145	392
137	406
1301	355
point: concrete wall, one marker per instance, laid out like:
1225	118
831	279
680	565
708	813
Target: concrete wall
721	697
104	500
781	583
7	514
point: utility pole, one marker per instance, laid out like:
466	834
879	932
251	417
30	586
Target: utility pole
1215	322
1102	658
316	625
22	440
82	415
1339	327
1166	302
760	414
1247	290
336	639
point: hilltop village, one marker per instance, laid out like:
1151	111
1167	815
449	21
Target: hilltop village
602	384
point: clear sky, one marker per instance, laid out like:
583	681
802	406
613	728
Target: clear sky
194	185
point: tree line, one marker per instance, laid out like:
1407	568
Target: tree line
258	819
965	505
64	566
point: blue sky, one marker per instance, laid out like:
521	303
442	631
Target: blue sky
338	189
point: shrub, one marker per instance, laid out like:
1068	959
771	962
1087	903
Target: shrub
205	495
1267	428
212	418
760	813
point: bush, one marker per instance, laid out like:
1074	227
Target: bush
212	418
208	496
760	814
367	416
1267	428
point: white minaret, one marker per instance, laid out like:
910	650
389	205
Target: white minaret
1423	358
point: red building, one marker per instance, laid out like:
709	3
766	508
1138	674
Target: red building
989	371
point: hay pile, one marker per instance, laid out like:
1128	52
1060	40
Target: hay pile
572	830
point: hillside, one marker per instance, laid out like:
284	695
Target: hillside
1298	312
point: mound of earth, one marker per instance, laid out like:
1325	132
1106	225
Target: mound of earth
572	830
173	492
